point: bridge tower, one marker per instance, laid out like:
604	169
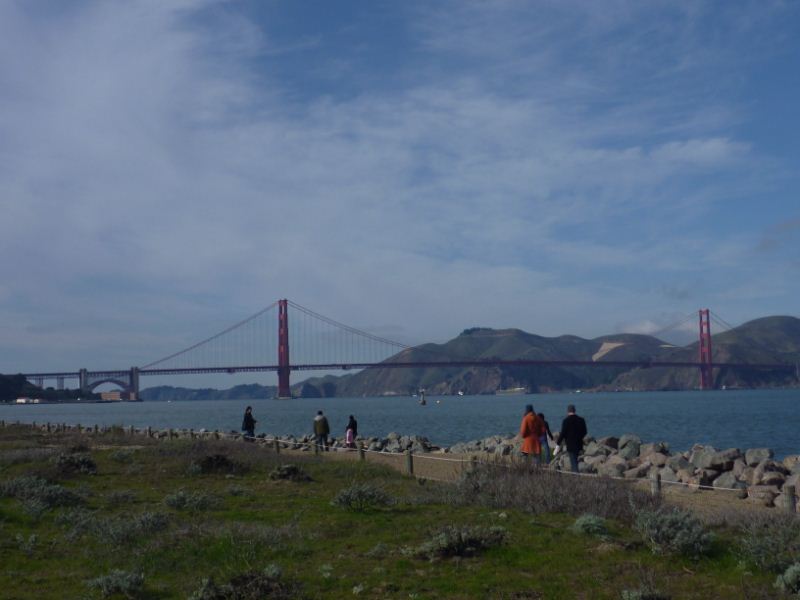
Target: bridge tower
83	379
706	365
284	389
133	383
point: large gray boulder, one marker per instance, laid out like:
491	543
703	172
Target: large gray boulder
668	475
763	494
637	472
702	457
610	441
753	456
597	449
615	466
630	450
627	439
654	447
772	478
790	461
727	481
678	462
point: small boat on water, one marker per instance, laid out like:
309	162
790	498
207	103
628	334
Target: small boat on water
515	391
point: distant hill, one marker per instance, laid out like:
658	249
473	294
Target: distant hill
16	386
766	340
252	391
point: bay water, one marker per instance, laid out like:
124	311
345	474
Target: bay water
725	419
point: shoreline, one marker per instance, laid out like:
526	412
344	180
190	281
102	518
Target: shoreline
753	473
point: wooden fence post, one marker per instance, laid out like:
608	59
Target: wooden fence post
789	498
409	462
277	446
655	483
362	455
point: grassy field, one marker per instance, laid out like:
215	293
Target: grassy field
114	516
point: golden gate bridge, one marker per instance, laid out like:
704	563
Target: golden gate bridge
261	343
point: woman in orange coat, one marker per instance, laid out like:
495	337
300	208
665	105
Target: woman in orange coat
530	430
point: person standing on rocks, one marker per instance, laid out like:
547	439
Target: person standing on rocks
351	432
573	430
531	430
249	424
321	430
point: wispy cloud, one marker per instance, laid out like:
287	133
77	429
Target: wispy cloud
541	166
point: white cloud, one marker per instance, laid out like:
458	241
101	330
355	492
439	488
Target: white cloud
158	178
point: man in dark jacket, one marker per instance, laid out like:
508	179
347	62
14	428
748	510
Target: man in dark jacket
573	430
321	430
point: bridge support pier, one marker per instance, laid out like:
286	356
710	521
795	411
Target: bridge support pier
83	378
706	365
284	388
133	383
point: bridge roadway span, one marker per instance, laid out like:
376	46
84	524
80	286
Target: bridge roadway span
645	364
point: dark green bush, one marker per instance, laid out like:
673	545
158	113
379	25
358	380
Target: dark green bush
461	541
589	524
360	497
69	464
192	501
36	489
770	542
789	581
118	582
252	585
673	531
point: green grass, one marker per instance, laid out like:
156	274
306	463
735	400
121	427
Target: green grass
328	550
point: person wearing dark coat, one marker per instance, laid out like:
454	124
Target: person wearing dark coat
249	424
321	430
351	432
573	430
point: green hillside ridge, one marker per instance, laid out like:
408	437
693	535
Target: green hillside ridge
765	340
773	340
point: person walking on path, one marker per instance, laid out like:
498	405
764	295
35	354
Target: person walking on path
531	430
351	432
249	424
545	440
321	430
573	430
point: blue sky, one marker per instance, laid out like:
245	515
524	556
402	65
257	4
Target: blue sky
409	168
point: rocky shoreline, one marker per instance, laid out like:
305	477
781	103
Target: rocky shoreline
752	473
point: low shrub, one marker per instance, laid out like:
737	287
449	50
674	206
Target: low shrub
27	545
289	473
70	464
237	490
218	463
26	455
379	551
38	490
118	497
252	585
461	541
124	530
673	531
118	582
789	581
770	542
537	491
191	501
360	497
589	524
643	594
122	456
